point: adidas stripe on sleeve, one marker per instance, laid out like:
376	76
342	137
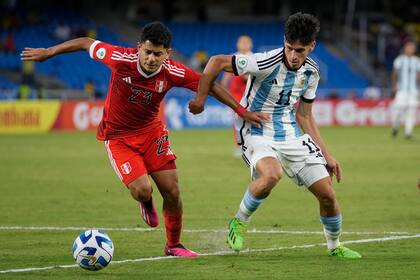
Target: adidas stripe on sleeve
256	64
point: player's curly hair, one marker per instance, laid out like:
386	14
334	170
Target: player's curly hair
157	33
302	28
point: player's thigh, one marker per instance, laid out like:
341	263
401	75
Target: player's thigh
260	156
269	167
401	101
158	152
127	163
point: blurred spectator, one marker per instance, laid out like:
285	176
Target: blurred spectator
28	73
237	85
91	33
90	89
405	81
11	22
333	94
40	92
24	92
372	93
62	32
199	60
8	44
34	17
351	94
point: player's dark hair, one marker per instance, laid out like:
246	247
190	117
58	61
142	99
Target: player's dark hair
302	28
157	33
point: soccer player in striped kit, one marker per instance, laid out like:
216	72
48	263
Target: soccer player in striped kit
277	80
405	86
135	138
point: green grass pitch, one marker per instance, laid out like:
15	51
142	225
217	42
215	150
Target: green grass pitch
65	180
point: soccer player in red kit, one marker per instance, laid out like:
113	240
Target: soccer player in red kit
135	138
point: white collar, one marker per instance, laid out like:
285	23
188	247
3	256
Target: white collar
144	74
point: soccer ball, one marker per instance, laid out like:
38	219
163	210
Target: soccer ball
93	249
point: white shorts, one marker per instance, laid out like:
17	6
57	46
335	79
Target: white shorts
405	99
301	159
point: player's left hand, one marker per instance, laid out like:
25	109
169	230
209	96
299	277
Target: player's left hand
334	168
196	106
256	118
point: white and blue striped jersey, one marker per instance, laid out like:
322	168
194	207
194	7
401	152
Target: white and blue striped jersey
274	89
407	68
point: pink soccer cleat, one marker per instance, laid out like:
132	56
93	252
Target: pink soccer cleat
149	214
179	251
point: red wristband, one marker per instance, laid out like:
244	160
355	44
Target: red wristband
240	110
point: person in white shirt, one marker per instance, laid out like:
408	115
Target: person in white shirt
277	80
405	87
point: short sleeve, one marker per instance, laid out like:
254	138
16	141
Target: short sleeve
397	63
109	55
309	95
182	75
256	64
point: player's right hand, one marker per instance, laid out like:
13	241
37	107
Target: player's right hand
256	118
334	168
196	106
38	54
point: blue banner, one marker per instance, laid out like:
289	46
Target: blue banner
215	115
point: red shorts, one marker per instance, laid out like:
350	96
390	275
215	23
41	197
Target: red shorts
132	157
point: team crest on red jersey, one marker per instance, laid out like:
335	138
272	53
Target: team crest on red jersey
160	85
126	168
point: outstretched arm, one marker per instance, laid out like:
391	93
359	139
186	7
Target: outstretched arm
254	118
214	66
307	123
42	54
207	86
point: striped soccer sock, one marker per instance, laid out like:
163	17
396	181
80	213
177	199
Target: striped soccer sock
249	205
332	230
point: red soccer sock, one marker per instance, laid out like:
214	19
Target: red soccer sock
173	225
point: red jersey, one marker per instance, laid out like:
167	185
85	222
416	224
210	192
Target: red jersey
133	99
237	87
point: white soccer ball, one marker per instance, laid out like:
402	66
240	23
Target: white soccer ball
93	249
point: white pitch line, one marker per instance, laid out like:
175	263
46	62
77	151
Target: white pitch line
51	228
222	253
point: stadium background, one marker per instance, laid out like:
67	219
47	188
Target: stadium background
54	184
355	50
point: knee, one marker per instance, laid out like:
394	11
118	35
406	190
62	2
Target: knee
140	191
328	200
272	177
172	194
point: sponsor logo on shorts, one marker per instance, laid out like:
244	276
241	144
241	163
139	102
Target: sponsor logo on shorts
101	53
126	168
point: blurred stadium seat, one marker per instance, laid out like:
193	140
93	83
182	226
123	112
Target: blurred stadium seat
215	38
